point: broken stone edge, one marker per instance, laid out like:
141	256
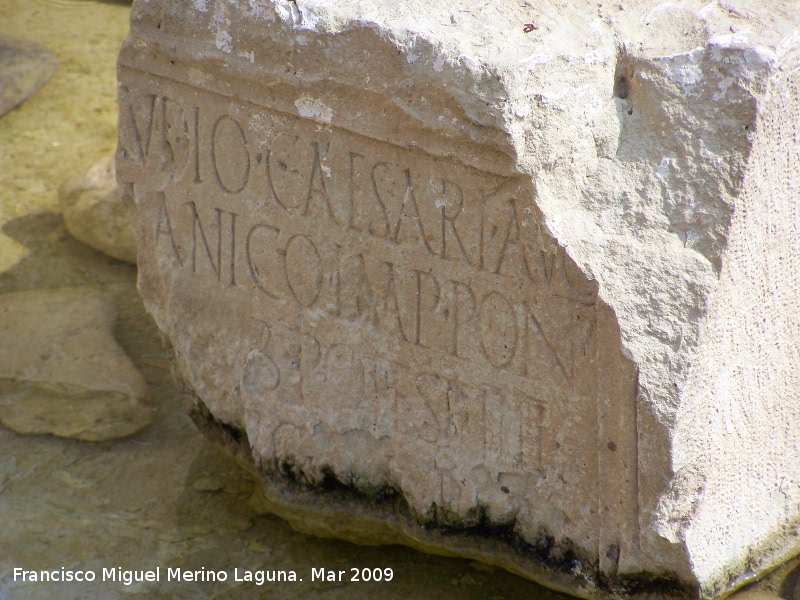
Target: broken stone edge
381	516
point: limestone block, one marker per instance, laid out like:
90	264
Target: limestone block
522	273
94	213
62	372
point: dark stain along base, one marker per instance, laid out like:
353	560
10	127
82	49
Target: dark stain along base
563	562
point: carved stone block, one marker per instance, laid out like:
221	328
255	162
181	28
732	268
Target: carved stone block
522	275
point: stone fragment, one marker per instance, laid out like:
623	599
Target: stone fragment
94	212
24	68
522	273
62	372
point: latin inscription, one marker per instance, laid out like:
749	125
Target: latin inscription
418	296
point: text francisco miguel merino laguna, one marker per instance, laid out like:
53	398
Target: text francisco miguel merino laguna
129	577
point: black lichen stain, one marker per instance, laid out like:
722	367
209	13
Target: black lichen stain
563	557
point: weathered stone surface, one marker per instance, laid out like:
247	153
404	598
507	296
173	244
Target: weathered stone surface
530	269
62	372
24	68
94	212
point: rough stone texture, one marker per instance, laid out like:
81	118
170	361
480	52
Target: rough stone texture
531	266
24	68
62	372
94	212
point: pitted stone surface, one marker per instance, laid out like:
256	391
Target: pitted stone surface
497	258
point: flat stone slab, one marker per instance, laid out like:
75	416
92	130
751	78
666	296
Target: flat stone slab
62	372
523	275
24	68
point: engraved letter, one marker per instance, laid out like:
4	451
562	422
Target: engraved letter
391	305
175	135
461	314
196	113
318	189
354	297
503	430
256	275
197	224
260	371
303	269
369	212
230	155
498	329
451	203
428	309
132	126
164	226
409	214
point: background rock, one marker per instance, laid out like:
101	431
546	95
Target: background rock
62	372
94	212
24	68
